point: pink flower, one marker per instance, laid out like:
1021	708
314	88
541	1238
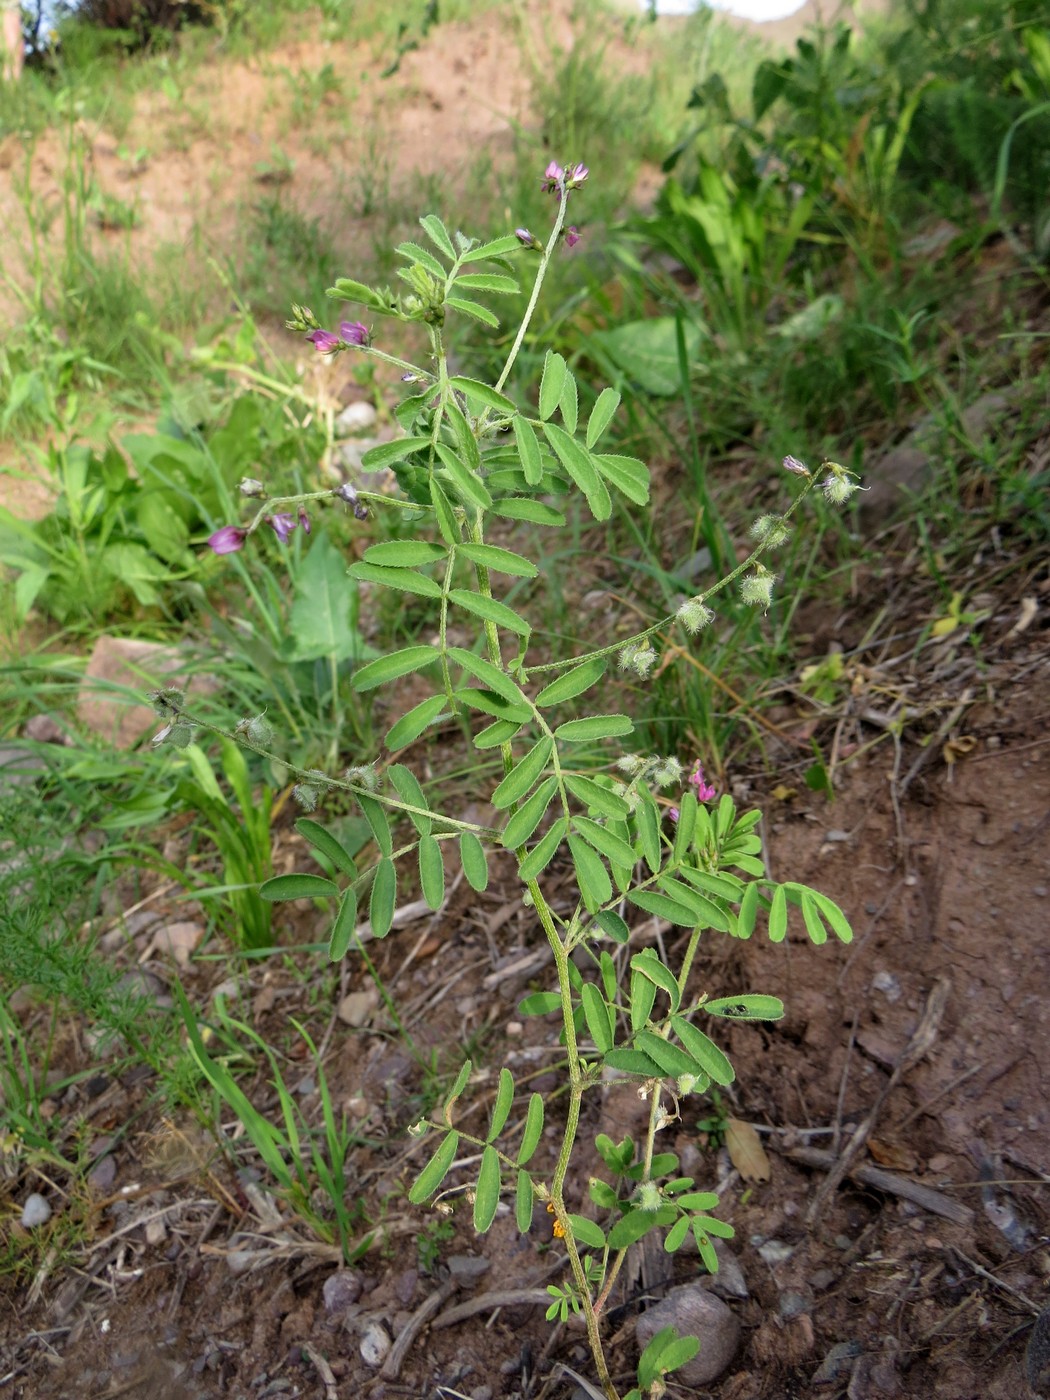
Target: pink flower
304	520
354	333
575	176
673	813
227	540
572	236
704	791
552	178
282	526
324	341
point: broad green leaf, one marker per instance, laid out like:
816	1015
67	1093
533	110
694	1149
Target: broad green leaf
431	872
574	682
509	243
521	508
407	787
375	816
647	351
523	1203
435	1171
387	453
751	1006
663	907
602	839
473	309
320	623
528	450
586	1232
579	465
326	843
486	282
501	1107
602	415
404	554
542	853
402	580
598	1016
530	1138
630	1061
676	1236
627	474
383	898
597	797
647	964
630	1228
297	887
504	561
490	610
436	231
523	776
469	487
526	819
552	383
581	731
778	915
490	676
474	861
343	928
591	874
486	1198
390	668
420	717
704	1050
569	403
722	886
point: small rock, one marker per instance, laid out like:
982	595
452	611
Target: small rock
179	940
356	418
239	1261
775	1251
36	1211
821	1279
836	834
729	1282
103	1174
356	1008
887	984
694	1312
1037	1355
341	1290
405	1286
466	1268
792	1304
481	1392
156	1231
44	730
838	1363
375	1345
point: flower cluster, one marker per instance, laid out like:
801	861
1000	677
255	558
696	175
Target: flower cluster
705	792
350	333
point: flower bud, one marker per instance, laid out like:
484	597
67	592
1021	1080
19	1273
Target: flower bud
694	615
650	1197
250	487
667	773
839	485
770	529
792	464
256	730
757	588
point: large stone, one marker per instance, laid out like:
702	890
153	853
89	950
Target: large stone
694	1312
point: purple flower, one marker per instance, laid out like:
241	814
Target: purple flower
324	341
528	240
572	236
347	493
792	464
673	813
304	520
552	178
282	526
227	540
354	333
704	791
575	176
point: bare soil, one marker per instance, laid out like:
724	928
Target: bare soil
936	845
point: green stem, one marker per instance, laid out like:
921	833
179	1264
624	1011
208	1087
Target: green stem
545	258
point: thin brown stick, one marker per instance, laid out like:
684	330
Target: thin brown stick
891	1182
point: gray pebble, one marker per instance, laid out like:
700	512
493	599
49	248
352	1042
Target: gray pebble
36	1211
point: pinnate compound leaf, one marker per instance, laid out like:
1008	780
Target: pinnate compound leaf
383	898
343	928
326	843
297	887
486	1198
552	383
435	1171
522	777
474	861
602	415
397	664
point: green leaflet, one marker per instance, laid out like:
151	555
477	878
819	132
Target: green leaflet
473	309
431	872
390	668
591	874
574	682
469	487
530	1138
551	383
490	610
436	231
596	797
474	861
383	898
490	676
403	580
523	776
504	561
501	1107
343	928
435	1171
387	453
409	727
297	887
528	450
580	467
404	554
486	1197
507	244
526	819
327	844
602	415
703	1049
521	508
542	853
580	731
602	839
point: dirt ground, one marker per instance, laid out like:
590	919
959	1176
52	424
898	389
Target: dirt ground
922	1045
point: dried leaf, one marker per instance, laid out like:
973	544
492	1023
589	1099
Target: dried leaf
746	1151
892	1155
958	748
